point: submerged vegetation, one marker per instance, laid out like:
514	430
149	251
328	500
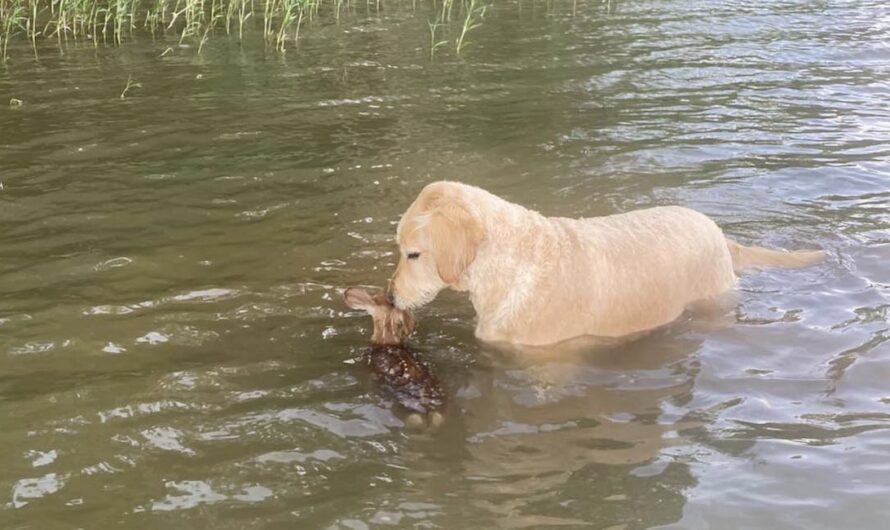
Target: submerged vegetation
113	21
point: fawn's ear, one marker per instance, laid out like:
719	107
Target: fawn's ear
360	299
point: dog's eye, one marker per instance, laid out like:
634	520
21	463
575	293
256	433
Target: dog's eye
413	255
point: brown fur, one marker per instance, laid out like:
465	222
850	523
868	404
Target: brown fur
391	325
400	372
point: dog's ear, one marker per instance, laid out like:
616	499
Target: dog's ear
454	235
360	299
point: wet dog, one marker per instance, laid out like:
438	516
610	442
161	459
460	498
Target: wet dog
536	280
397	370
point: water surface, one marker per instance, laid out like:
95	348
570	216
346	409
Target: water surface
174	353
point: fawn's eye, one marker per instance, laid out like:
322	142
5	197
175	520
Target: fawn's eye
413	255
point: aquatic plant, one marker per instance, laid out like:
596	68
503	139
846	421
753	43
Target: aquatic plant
291	12
472	20
130	84
12	19
447	6
114	21
434	45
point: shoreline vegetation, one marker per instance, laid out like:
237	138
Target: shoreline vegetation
112	22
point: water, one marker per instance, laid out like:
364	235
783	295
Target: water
173	351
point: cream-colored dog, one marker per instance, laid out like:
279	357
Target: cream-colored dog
537	280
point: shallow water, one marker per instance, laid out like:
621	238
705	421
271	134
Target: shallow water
174	353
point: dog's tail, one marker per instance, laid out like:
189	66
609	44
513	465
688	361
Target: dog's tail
758	257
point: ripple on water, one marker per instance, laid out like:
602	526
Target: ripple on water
192	493
173	338
27	490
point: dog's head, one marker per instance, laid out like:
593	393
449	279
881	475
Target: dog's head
391	324
438	238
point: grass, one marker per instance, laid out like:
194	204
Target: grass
130	84
12	19
434	44
473	12
196	21
472	20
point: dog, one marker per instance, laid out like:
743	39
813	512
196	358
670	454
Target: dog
536	280
397	370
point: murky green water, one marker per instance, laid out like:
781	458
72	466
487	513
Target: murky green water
174	354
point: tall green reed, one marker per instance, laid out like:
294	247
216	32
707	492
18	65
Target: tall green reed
473	14
114	21
12	20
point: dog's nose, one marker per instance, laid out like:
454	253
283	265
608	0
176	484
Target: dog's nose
390	298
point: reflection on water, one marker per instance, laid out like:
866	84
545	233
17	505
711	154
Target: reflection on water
174	351
565	442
